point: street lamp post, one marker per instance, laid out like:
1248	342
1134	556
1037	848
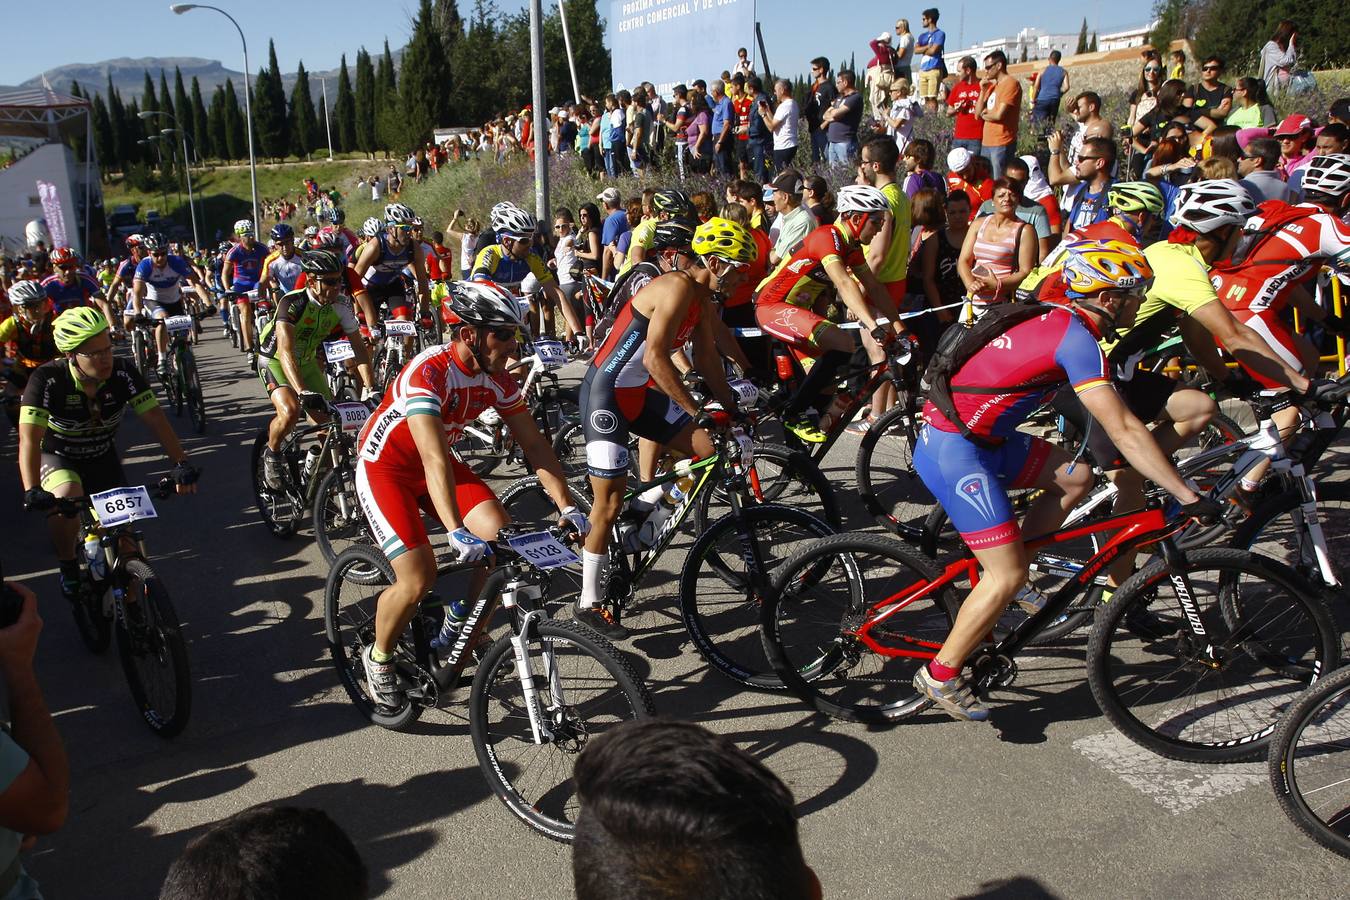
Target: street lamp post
179	9
187	166
323	82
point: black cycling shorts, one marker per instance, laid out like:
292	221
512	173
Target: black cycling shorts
95	475
609	414
1145	395
394	294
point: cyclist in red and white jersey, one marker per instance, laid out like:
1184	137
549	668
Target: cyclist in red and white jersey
404	465
790	303
1297	242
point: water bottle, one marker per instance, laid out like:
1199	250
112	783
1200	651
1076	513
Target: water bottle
663	510
93	552
311	463
455	614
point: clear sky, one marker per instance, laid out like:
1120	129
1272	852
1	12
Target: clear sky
794	30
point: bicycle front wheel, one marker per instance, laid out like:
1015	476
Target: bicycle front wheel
582	687
1309	758
782	476
1198	665
192	391
153	652
843	632
720	597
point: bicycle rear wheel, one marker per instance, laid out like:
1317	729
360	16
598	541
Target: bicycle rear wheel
338	522
718	599
891	490
192	390
1309	758
153	652
349	623
279	512
1215	696
821	598
585	687
786	477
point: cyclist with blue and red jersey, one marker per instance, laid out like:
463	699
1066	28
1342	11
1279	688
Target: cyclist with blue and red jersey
240	272
71	284
969	469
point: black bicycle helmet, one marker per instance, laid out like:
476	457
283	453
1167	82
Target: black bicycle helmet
154	242
320	262
677	203
674	234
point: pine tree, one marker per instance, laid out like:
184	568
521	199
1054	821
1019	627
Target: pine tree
105	143
304	124
425	65
165	102
1092	47
1082	38
236	139
201	131
364	104
344	112
447	25
215	125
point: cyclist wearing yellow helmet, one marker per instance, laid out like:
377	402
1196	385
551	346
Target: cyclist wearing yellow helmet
71	409
632	386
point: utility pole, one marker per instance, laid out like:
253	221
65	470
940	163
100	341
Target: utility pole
539	111
327	126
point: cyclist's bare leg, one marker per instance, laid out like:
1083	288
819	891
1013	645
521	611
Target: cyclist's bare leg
246	327
287	405
883	398
63	529
1004	568
649	454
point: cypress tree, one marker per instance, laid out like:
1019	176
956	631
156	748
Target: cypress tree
447	25
105	143
121	155
201	131
1082	38
236	140
1092	47
182	106
215	125
426	66
165	103
305	134
388	124
364	106
344	111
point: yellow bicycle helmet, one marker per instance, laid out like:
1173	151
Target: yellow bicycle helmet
77	325
725	239
1108	265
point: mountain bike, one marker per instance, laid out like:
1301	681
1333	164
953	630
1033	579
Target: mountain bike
120	593
1194	658
540	693
143	345
1309	757
726	572
184	384
321	479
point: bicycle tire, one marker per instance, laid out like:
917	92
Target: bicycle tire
569	445
192	388
338	521
785	476
891	490
551	810
350	626
94	627
1129	699
823	651
717	622
1288	766
166	711
272	506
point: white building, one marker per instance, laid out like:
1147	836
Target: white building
1034	41
1124	40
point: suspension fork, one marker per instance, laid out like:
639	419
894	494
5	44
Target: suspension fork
1312	525
520	641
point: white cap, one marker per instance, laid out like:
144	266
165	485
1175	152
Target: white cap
884	37
958	159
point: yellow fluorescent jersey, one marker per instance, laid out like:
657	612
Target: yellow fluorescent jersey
1180	287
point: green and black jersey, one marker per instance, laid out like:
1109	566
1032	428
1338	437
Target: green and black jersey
79	426
313	323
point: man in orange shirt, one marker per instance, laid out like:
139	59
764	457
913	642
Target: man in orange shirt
1000	103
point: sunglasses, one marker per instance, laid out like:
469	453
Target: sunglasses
505	333
1210	68
1087	158
31	304
1152	68
330	280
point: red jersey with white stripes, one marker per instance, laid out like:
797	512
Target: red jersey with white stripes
1290	255
433	383
801	278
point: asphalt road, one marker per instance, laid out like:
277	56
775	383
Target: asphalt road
1048	800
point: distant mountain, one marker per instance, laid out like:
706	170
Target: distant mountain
128	75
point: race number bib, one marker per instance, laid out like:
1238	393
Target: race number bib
122	505
400	328
352	415
338	351
543	550
178	324
551	353
745	391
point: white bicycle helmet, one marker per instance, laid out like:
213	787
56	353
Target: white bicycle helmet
497	211
24	292
1329	175
371	227
398	214
244	226
516	223
484	305
1206	206
861	198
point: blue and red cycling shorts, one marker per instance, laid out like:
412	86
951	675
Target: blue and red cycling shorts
971	482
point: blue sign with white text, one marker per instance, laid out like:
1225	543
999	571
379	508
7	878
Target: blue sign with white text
668	42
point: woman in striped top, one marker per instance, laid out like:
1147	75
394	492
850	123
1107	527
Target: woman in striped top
999	249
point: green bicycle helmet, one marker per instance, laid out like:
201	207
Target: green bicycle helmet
1135	196
77	325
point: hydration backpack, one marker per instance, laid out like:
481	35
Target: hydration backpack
961	342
